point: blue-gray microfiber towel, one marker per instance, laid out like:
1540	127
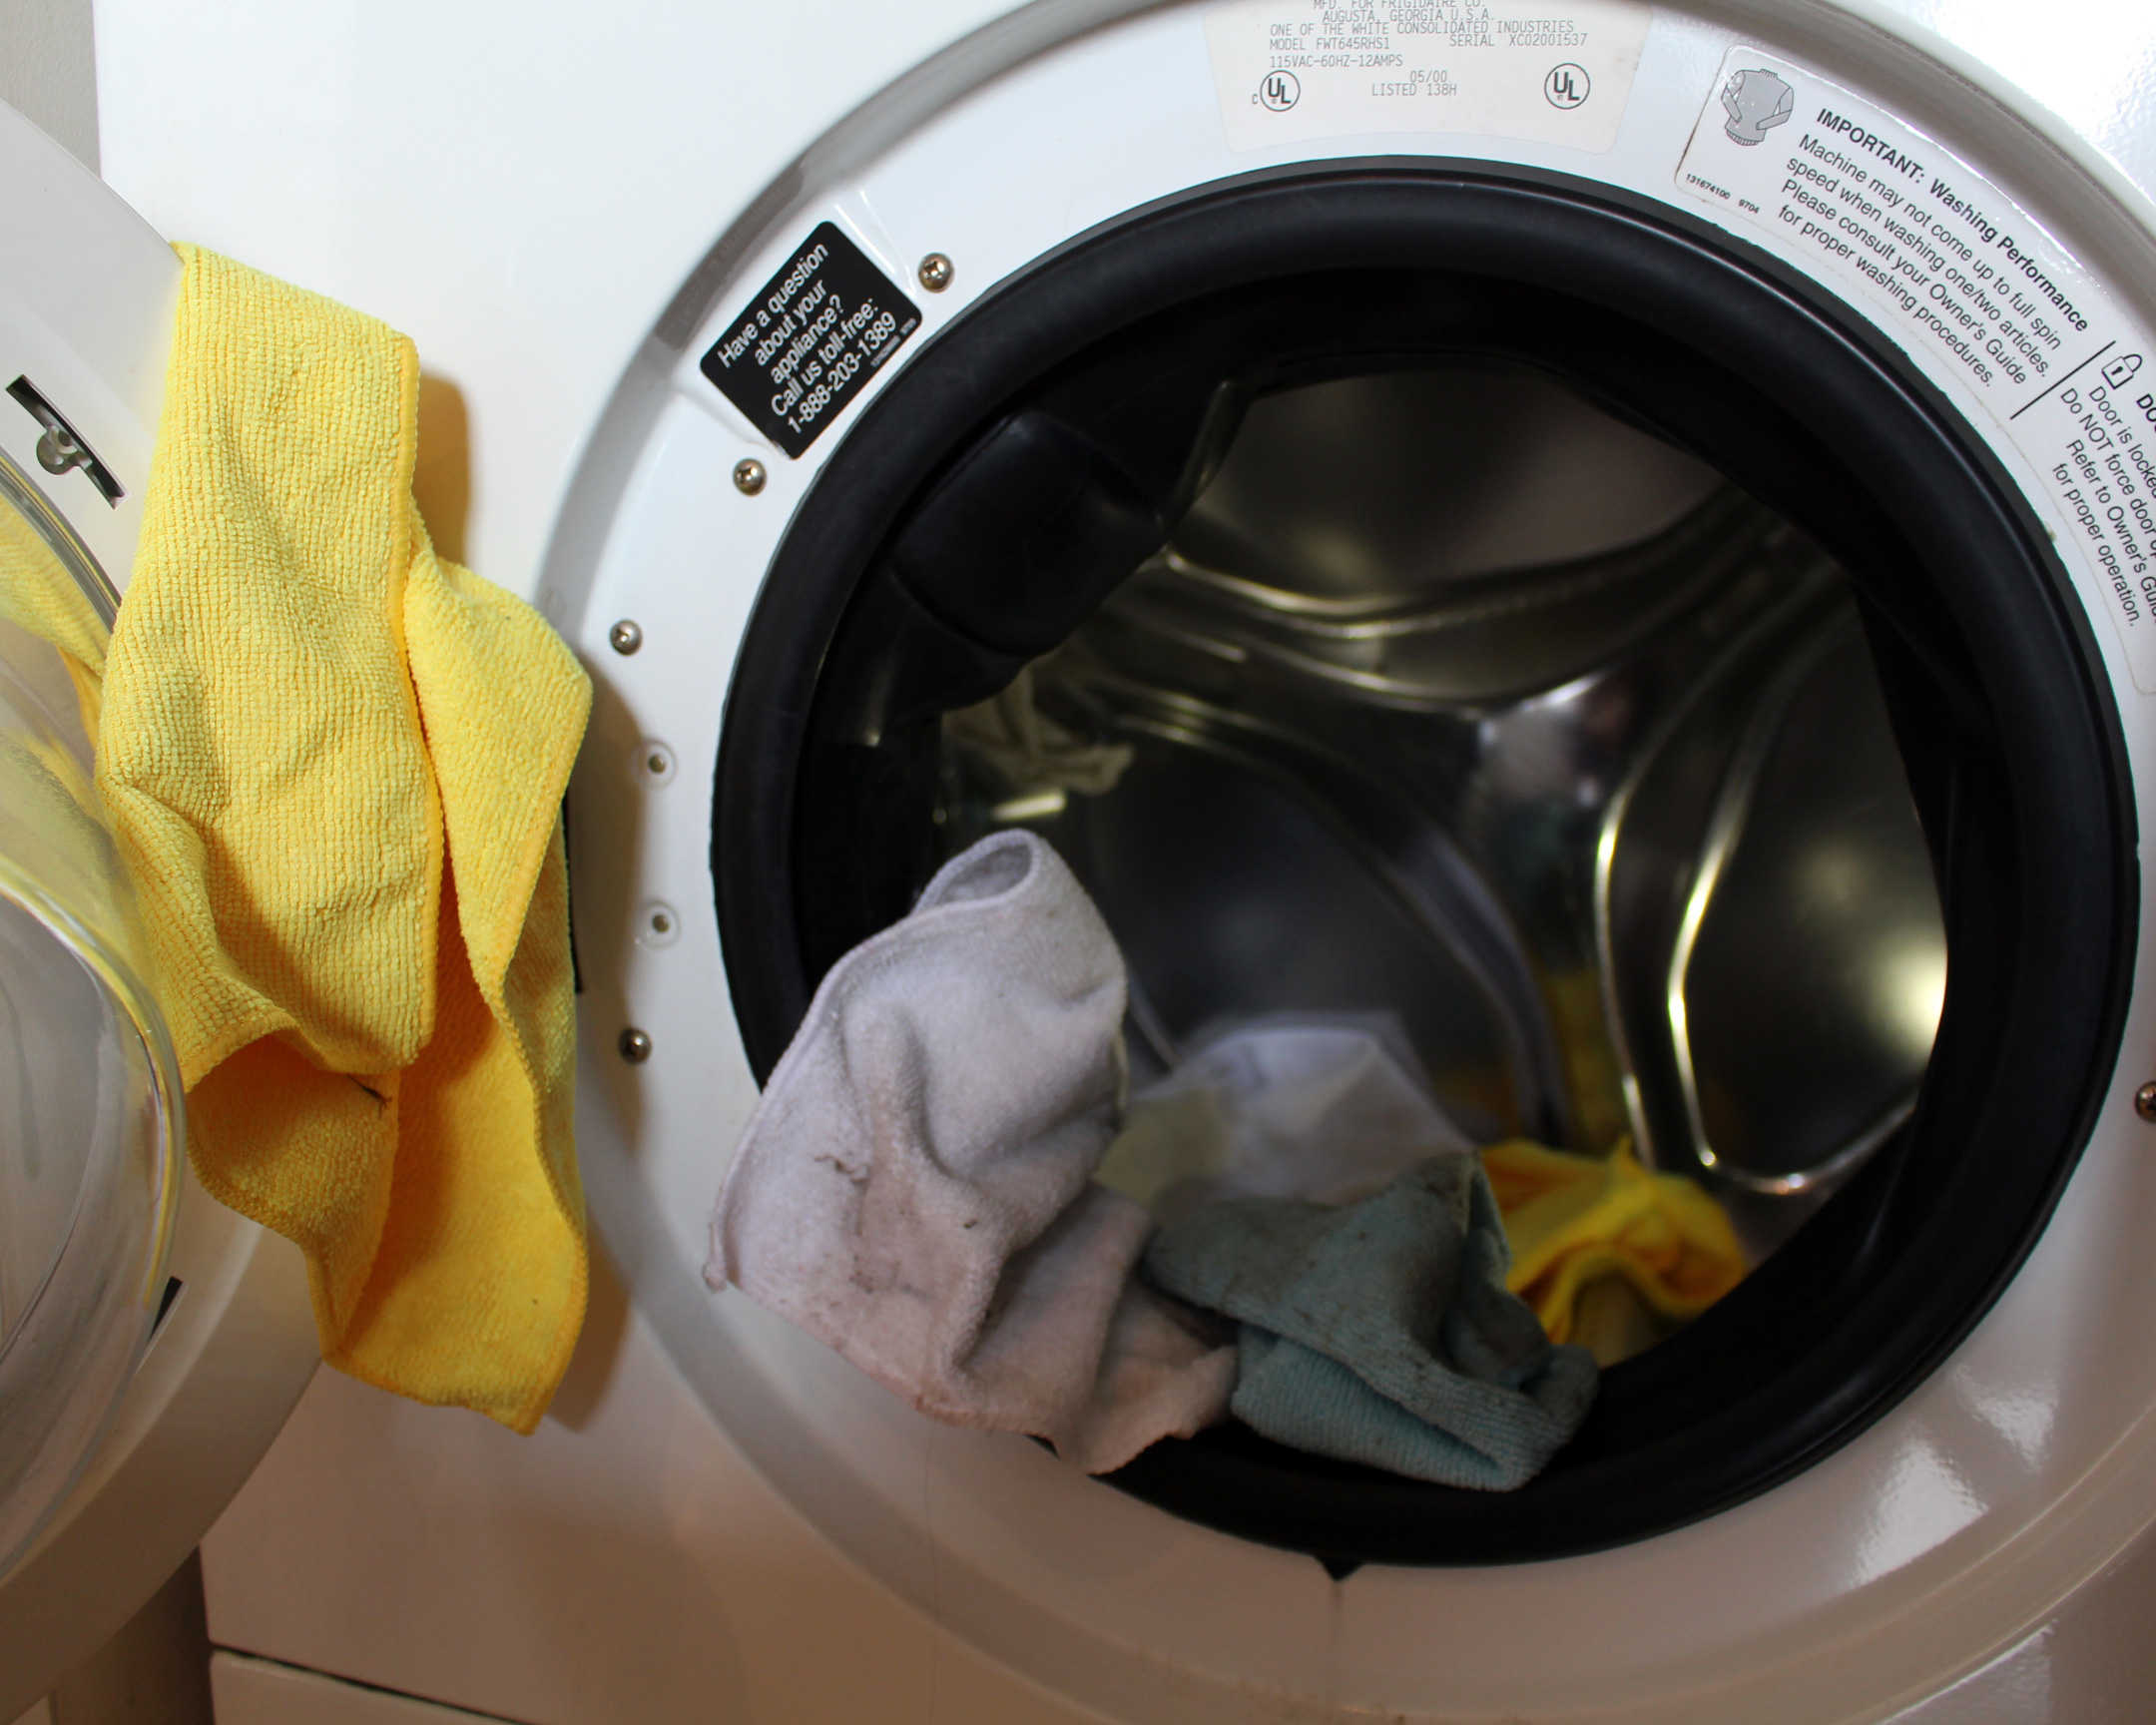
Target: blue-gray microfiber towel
1380	1331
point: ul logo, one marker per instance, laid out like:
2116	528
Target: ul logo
1279	91
1566	86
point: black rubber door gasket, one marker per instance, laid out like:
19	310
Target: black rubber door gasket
1026	459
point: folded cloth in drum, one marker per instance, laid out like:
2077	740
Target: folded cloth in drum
1381	1332
915	1187
1578	1221
1609	1255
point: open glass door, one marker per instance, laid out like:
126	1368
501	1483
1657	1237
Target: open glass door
151	1342
90	1101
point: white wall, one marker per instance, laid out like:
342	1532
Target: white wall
47	70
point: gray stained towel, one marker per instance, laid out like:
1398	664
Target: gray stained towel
915	1186
1381	1332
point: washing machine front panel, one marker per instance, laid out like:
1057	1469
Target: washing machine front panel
2007	1480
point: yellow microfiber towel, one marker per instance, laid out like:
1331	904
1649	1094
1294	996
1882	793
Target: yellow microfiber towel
335	763
1574	1220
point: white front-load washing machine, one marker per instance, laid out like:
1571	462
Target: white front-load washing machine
1616	541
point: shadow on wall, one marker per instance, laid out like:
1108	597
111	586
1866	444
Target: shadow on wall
441	474
48	70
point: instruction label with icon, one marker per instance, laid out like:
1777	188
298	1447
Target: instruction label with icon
808	343
1550	71
1966	281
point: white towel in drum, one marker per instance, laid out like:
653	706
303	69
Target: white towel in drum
915	1187
1330	1108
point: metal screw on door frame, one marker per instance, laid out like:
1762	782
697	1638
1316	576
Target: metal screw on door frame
936	271
749	476
625	637
61	449
58	452
635	1046
2145	1101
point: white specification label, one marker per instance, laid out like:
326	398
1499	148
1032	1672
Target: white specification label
1966	278
1551	71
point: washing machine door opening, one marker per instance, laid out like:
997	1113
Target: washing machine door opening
1473	603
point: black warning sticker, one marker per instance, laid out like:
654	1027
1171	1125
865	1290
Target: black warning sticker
822	328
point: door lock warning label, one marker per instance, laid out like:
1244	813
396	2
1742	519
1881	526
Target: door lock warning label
1964	278
824	325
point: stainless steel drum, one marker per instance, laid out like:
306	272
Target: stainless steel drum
1456	699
